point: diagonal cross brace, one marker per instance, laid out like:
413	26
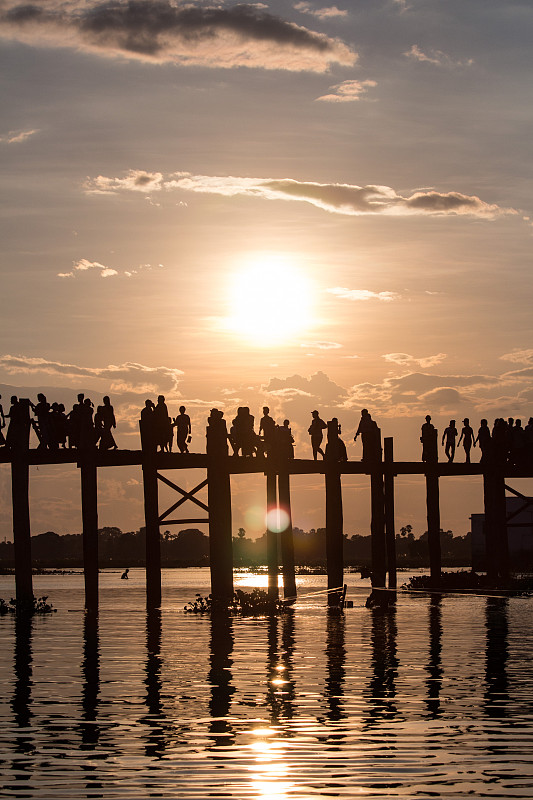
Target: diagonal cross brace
186	496
528	501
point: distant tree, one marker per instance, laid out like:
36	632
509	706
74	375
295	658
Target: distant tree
241	533
406	530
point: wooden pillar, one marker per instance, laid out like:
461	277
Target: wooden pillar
20	479
500	520
490	525
272	536
390	532
89	513
287	543
433	518
377	522
21	529
151	522
334	518
219	502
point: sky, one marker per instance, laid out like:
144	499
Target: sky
295	204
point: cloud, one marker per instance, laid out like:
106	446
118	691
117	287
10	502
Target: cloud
337	198
436	57
127	377
346	92
519	356
405	360
321	13
417	392
362	294
161	31
84	264
322	345
15	137
317	386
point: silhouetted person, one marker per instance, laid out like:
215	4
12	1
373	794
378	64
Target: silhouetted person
484	440
87	437
242	435
367	431
335	447
183	430
59	423
448	440
74	422
499	441
217	433
147	425
429	441
106	420
124	576
17	437
528	430
2	425
267	428
467	438
517	455
162	425
284	440
44	426
316	432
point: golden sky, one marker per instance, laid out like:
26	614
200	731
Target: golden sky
291	203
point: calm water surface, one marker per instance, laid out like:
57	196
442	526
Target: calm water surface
433	699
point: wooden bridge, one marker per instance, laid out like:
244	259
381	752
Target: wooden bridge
219	466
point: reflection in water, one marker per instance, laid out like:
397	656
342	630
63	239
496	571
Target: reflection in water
384	664
335	661
155	740
434	669
24	746
496	692
90	668
89	728
220	677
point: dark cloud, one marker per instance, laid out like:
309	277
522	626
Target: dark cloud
161	31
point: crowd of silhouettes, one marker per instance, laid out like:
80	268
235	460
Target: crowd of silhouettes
80	428
84	428
507	443
157	426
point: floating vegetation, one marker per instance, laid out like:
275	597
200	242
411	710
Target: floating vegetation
38	605
469	581
247	604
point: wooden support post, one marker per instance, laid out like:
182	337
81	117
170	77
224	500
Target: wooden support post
334	533
272	536
490	525
19	438
151	522
334	518
89	513
390	532
287	543
377	523
21	529
219	502
500	520
433	518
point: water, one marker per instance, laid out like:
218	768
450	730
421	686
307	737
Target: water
434	699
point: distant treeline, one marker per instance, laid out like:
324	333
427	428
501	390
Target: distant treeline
190	548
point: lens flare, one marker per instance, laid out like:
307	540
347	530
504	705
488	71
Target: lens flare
277	520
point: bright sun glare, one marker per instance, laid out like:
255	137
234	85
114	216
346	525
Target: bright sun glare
270	301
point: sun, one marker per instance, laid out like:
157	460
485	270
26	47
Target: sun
270	301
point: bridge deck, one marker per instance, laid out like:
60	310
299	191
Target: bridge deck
240	466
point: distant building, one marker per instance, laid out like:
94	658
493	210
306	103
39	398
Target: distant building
519	533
